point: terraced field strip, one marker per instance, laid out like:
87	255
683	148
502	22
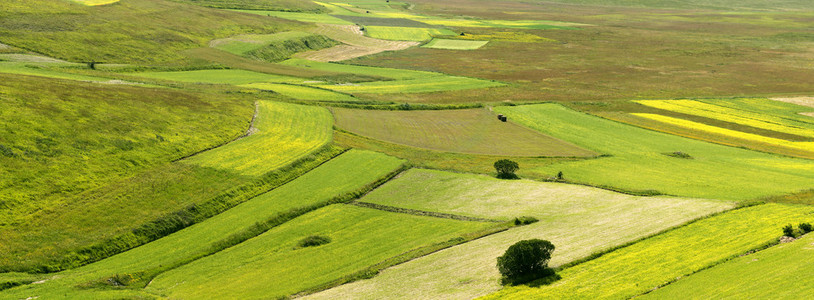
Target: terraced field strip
303	92
436	83
455	44
405	33
645	265
806	146
349	174
243	44
475	131
638	162
578	220
284	132
780	272
356	44
762	119
397	74
222	76
298	16
27	68
360	237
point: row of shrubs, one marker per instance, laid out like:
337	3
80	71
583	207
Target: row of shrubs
802	229
186	217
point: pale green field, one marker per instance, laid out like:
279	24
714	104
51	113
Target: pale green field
398	74
780	272
302	92
360	237
242	44
455	44
284	133
578	220
297	16
637	161
638	268
347	173
405	33
224	76
475	131
422	85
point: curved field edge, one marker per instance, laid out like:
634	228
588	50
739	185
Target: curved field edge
579	220
635	160
472	131
335	181
652	262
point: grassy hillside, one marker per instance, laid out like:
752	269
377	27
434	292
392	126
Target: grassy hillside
578	220
748	5
284	133
779	272
638	160
360	238
475	131
345	176
639	268
149	31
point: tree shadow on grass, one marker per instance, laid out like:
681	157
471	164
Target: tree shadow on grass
546	277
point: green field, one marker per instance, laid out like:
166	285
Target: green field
272	47
69	138
348	173
298	16
578	220
637	161
222	76
284	132
45	70
96	2
422	85
260	5
303	92
360	237
397	74
759	275
474	131
638	268
405	33
149	31
243	44
455	44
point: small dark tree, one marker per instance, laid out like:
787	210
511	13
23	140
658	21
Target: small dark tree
805	227
525	261
506	168
313	241
788	230
559	175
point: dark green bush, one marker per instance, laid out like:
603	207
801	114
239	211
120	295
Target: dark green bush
805	227
506	168
678	154
313	241
525	261
788	230
524	220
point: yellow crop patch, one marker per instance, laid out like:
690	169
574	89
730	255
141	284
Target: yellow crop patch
807	146
748	118
96	2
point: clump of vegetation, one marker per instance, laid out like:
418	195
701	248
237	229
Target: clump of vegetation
805	227
525	220
788	230
525	261
313	241
506	168
678	154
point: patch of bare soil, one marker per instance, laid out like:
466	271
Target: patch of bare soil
804	101
355	44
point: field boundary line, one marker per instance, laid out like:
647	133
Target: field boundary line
422	213
249	131
601	253
268	224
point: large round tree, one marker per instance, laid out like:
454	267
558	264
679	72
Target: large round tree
526	260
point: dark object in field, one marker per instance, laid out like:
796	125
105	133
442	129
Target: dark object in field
463	34
678	154
92	65
525	261
506	168
559	175
313	241
805	227
502	118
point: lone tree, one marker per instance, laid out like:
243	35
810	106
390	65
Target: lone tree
505	169
525	261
